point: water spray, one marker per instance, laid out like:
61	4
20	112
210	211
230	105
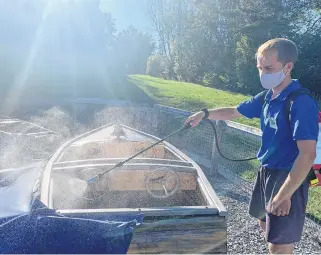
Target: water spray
98	176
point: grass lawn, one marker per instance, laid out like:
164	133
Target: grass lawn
189	96
314	207
192	97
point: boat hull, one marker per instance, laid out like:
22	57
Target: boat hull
196	234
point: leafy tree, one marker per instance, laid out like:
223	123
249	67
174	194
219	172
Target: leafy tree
214	42
154	66
133	49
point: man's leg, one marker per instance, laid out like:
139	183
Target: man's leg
281	248
262	225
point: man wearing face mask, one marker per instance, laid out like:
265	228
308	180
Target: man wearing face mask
288	149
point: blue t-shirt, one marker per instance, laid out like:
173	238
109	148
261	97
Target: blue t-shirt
279	149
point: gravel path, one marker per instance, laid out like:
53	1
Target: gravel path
244	234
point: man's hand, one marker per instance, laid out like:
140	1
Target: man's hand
195	119
279	206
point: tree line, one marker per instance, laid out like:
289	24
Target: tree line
213	42
209	42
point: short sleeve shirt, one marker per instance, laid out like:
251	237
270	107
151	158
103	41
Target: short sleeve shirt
279	149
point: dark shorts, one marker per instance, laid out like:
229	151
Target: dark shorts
279	229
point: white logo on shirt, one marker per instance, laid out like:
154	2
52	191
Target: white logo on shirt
269	119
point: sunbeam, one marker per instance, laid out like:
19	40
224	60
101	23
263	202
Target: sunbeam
15	92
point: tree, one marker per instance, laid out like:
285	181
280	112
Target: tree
247	73
169	21
215	41
133	49
155	66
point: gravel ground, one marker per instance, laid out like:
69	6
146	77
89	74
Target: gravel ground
244	234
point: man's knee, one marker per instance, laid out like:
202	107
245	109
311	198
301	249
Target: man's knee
280	248
262	224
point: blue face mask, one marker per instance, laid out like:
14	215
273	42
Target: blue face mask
272	80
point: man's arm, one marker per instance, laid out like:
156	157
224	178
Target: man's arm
300	169
225	113
251	108
305	130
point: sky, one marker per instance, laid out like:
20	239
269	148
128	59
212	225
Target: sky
127	12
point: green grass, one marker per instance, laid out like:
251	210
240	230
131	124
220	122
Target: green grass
189	96
313	206
250	174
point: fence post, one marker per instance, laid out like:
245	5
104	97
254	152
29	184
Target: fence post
215	154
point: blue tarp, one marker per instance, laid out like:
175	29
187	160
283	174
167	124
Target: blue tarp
45	231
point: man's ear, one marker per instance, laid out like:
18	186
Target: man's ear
288	68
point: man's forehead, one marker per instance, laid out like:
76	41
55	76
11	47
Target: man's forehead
267	58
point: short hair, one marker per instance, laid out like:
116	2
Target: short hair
286	49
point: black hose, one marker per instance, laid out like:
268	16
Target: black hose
218	149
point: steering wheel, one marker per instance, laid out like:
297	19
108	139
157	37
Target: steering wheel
165	182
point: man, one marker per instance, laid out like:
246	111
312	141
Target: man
288	150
